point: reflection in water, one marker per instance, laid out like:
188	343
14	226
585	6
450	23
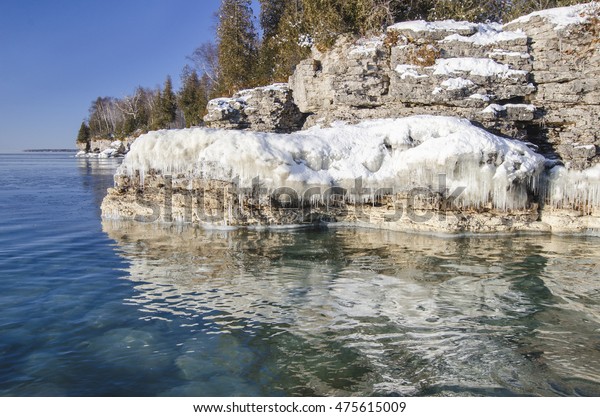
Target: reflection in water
346	311
97	175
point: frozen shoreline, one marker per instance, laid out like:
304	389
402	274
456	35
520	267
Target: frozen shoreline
428	174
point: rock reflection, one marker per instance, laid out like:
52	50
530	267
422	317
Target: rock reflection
380	313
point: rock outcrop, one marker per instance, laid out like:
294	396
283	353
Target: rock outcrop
265	109
420	173
105	148
535	79
565	53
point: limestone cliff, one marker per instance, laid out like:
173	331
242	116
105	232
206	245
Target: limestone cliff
536	79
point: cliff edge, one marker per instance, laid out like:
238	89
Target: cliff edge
433	126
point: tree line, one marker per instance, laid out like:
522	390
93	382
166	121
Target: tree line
246	54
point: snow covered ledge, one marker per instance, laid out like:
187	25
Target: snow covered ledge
420	173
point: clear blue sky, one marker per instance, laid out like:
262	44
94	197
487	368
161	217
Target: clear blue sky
56	56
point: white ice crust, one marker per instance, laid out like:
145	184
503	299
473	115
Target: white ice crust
398	153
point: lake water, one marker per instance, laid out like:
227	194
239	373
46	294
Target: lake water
92	308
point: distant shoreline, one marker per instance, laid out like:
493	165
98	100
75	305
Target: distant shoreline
50	150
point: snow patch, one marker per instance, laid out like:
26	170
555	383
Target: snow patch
424	26
487	34
247	94
498	108
500	52
366	47
305	41
406	70
481	97
483	67
562	17
457	83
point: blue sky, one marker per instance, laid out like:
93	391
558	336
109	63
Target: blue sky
56	56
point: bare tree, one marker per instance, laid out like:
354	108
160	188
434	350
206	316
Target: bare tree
131	105
206	60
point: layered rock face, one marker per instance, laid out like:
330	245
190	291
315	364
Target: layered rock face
264	109
566	71
441	69
535	79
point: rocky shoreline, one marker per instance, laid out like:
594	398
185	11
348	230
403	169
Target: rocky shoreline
535	80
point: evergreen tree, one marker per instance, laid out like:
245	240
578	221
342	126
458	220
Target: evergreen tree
292	42
156	115
168	103
328	19
164	111
192	97
271	12
237	46
324	21
84	135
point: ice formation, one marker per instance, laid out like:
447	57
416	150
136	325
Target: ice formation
397	154
572	189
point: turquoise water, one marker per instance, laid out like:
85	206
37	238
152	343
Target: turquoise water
92	308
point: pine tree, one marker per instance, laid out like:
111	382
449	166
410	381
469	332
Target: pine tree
168	103
271	12
156	115
84	135
237	46
164	110
292	42
192	97
328	19
324	21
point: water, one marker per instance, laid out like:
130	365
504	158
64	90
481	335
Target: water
93	308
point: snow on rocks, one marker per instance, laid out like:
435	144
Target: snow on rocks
456	83
562	17
521	112
488	34
433	30
366	47
270	108
483	67
397	153
106	148
407	70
